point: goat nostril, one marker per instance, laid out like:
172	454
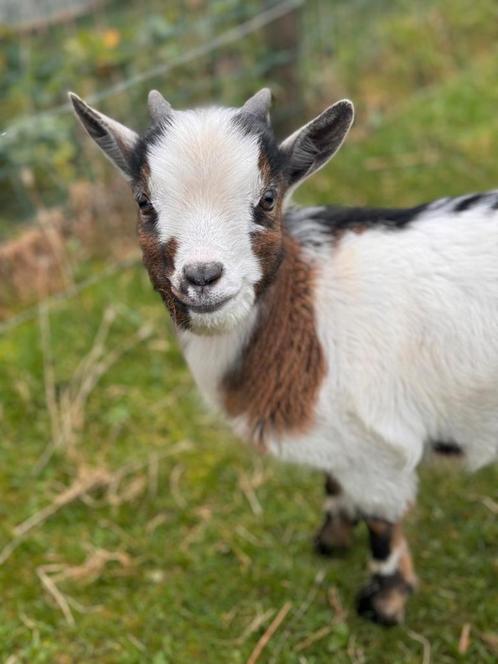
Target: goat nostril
202	274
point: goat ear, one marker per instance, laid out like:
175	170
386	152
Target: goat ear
259	105
114	139
310	148
159	108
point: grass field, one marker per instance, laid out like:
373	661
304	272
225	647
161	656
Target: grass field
136	529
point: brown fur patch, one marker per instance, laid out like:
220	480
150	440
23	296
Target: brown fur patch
264	167
406	566
158	258
159	261
276	381
141	183
267	244
268	247
391	603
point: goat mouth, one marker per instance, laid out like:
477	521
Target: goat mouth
201	307
207	308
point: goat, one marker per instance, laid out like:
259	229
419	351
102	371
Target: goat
353	340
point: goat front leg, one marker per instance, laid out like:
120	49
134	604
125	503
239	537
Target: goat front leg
335	533
393	579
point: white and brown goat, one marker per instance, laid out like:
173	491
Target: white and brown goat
354	340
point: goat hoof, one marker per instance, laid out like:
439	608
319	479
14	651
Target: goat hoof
383	600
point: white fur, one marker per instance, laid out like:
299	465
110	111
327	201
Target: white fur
391	564
409	323
204	180
209	357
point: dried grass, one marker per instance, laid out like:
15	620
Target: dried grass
298	615
67	408
426	646
464	641
258	620
174	486
88	572
267	636
87	480
248	485
41	260
314	637
491	641
31	265
339	616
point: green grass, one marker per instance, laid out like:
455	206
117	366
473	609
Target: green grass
202	563
198	561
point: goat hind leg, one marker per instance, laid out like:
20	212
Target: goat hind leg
335	533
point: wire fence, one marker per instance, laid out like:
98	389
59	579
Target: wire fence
230	36
41	153
111	55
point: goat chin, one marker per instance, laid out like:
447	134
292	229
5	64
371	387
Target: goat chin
229	317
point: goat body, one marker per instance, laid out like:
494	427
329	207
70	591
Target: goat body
407	323
354	340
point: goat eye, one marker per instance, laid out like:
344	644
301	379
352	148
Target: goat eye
144	204
268	200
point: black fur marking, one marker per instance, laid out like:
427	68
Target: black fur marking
332	487
138	158
329	222
468	202
388	581
322	226
378	586
93	125
321	542
261	217
337	219
448	448
380	541
251	124
149	221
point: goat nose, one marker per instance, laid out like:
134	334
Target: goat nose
202	274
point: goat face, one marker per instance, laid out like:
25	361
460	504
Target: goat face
210	186
215	186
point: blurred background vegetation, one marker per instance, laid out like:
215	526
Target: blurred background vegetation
134	528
